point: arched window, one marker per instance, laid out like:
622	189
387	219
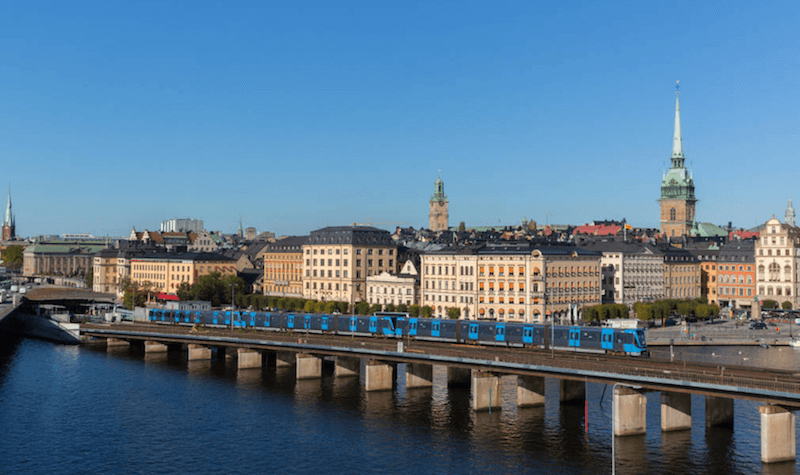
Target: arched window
672	214
774	270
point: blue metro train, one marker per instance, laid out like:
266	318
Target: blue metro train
401	325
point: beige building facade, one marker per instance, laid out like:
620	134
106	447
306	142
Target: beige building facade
337	261
283	267
166	272
682	275
510	282
777	262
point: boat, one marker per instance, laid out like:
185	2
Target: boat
794	343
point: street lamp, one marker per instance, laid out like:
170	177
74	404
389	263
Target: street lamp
233	307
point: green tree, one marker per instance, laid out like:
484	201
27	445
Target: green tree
310	306
330	307
12	257
185	291
685	308
414	310
590	313
454	313
786	305
362	308
374	308
319	307
390	307
602	312
426	311
342	307
769	304
281	303
90	278
644	311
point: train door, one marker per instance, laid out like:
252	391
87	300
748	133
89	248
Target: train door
473	331
290	321
607	339
268	319
499	332
527	335
373	325
412	327
215	318
400	324
575	337
436	328
252	319
307	322
353	324
324	322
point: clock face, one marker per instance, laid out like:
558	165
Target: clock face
441	203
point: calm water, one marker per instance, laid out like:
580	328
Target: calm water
79	410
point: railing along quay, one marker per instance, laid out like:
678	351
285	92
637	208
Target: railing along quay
741	382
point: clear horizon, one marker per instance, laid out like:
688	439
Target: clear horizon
296	117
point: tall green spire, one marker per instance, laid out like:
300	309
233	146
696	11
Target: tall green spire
677	183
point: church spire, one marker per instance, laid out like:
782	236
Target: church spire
9	218
677	142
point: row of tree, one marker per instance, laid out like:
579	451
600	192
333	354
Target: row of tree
770	304
662	309
606	311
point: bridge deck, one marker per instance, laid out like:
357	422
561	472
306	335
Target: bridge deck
759	384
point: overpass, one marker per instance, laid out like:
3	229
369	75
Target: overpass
481	368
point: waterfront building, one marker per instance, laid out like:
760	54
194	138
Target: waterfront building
105	274
438	210
165	272
515	281
385	288
777	261
283	267
707	252
337	261
736	274
681	274
631	271
60	258
677	189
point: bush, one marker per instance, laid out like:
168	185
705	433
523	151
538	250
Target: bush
426	312
786	305
414	310
769	304
362	308
454	313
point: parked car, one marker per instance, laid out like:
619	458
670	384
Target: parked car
758	326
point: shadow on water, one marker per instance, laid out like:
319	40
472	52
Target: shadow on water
9	349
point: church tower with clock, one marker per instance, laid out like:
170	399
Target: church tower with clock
437	217
677	188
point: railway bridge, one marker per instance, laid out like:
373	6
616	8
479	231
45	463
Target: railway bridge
481	368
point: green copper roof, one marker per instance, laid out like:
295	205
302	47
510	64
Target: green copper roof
438	191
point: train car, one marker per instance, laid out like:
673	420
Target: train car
485	332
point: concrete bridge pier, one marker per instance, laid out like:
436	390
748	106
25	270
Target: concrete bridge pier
530	391
113	343
630	411
154	347
284	359
719	411
379	376
419	375
676	411
308	366
247	358
487	391
572	391
198	352
777	434
346	367
458	377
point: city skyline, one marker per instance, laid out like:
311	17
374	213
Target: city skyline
294	119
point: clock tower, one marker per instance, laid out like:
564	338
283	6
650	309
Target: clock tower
677	188
437	216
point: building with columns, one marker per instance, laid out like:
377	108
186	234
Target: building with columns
438	214
677	189
777	261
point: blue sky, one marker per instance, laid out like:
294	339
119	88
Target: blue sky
298	115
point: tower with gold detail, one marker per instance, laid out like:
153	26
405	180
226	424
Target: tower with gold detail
438	215
677	188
